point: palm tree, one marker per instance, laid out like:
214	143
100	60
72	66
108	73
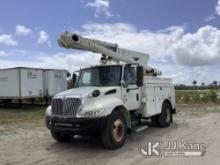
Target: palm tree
194	82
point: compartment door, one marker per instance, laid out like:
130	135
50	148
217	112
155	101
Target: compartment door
150	101
159	98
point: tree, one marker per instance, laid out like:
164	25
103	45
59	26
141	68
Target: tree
194	82
214	83
203	84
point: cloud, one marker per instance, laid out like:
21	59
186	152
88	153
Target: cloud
44	38
22	30
157	44
218	7
178	54
186	74
108	29
101	8
190	49
2	53
199	48
213	15
76	60
7	39
209	18
69	61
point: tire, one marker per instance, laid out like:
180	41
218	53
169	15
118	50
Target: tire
115	132
154	121
61	137
165	118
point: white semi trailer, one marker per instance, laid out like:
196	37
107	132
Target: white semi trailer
21	83
110	99
54	81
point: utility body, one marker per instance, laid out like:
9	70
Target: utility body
110	99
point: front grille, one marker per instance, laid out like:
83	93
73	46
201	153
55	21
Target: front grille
66	107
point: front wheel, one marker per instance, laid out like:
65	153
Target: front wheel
165	118
115	132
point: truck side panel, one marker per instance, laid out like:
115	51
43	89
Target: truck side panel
162	93
156	91
159	92
150	105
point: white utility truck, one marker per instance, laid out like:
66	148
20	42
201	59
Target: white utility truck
110	99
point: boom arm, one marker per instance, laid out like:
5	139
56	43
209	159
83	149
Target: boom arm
74	41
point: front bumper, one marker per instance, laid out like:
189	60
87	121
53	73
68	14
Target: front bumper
80	126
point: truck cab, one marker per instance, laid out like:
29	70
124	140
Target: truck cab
111	101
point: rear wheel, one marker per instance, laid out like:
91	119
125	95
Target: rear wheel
61	137
165	118
114	134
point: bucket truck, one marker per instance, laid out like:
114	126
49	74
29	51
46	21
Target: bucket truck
111	99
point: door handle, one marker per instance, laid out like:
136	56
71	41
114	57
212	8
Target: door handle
137	97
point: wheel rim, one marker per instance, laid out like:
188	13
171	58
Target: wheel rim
118	130
167	115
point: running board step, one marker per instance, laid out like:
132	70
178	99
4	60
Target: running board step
139	128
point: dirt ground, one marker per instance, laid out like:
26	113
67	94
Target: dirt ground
32	143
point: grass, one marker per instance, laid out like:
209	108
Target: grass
14	115
197	96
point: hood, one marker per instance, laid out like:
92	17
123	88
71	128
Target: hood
83	91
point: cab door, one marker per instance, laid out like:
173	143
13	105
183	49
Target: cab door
131	92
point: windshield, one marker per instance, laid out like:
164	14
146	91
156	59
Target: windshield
100	76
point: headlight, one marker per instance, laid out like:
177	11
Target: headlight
94	113
95	93
48	111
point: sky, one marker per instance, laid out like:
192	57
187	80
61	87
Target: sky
181	37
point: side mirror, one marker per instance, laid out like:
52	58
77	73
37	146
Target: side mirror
140	76
74	77
68	74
